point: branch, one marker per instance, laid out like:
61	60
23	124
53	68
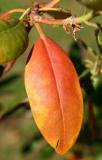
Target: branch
39	30
69	20
86	17
38	18
24	104
6	14
6	69
51	4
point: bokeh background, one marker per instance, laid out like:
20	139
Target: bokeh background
19	136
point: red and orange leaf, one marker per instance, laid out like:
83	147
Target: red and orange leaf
54	94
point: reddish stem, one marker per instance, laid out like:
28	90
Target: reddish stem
7	68
48	21
51	4
6	14
39	30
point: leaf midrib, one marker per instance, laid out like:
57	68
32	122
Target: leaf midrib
57	87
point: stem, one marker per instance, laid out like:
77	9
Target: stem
51	4
54	9
47	20
7	68
77	20
12	11
39	30
92	24
49	9
85	18
24	13
23	104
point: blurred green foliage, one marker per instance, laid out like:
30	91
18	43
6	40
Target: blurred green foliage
19	136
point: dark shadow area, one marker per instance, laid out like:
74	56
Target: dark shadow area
28	146
77	59
97	95
24	105
9	80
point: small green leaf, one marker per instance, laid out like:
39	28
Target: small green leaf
100	38
13	40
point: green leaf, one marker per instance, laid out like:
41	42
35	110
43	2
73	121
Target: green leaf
13	40
98	91
92	4
100	38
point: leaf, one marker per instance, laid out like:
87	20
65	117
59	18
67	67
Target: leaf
54	94
98	91
93	4
100	38
61	14
13	40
